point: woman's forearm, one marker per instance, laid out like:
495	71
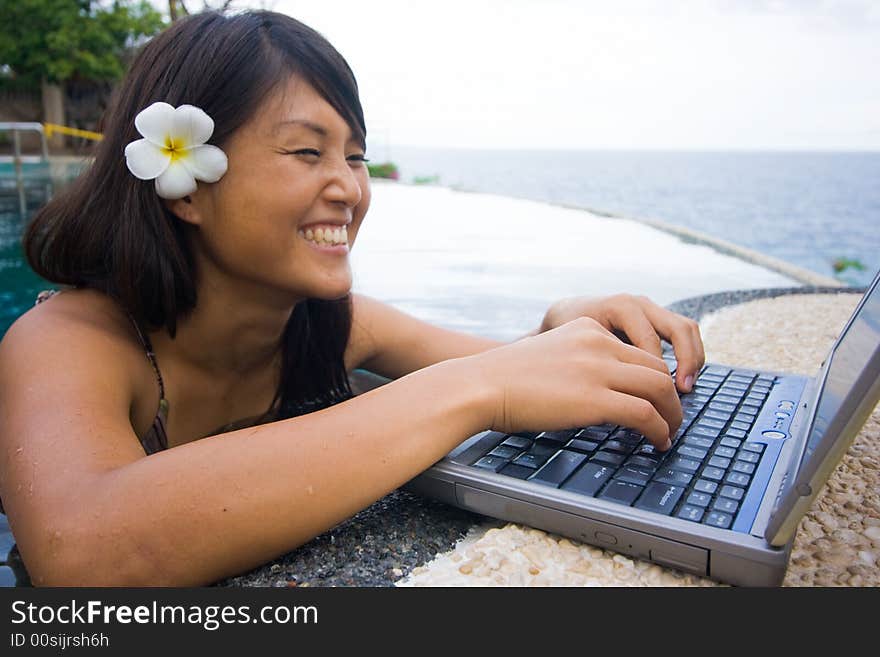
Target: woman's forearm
221	505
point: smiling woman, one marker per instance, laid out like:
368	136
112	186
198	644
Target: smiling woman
216	301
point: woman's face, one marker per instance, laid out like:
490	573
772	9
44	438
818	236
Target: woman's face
295	174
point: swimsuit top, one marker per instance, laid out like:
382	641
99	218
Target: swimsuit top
156	438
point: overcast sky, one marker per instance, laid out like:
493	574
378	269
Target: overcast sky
689	74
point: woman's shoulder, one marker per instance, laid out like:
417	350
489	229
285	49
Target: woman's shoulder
80	310
77	319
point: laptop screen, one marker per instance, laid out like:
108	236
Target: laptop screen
850	391
847	361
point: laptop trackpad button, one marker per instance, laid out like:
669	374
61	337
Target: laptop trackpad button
606	538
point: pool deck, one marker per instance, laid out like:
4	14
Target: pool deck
485	265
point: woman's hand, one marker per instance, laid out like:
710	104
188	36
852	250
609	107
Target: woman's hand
644	323
576	375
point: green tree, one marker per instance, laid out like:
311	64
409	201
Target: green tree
47	42
56	40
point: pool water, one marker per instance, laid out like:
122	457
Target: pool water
19	285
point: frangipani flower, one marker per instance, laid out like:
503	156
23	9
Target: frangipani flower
173	150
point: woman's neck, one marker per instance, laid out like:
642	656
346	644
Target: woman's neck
228	334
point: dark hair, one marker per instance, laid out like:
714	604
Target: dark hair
111	232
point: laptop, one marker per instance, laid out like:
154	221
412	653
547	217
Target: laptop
724	502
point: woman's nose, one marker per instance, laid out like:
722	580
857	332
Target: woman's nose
343	186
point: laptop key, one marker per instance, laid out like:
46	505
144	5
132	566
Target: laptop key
722	416
689	512
608	458
733	492
517	442
559	468
634	475
738	479
558	436
725	505
585	446
648	451
505	452
679	463
730	442
642	462
735	433
531	435
698	441
742	466
493	463
748	457
531	461
718	519
616	446
621	491
758	448
705	486
675	477
699	429
660	498
589	479
692	452
719	462
725	452
716	370
517	471
711	473
699	499
597	434
722	407
742	426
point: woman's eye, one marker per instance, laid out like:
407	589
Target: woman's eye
359	157
308	151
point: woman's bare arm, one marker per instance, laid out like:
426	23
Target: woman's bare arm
87	507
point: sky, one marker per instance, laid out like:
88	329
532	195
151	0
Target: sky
622	74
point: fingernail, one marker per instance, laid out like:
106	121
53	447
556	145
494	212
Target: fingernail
667	445
689	381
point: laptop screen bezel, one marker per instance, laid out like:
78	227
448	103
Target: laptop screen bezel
851	415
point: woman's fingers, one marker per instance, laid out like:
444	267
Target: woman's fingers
637	356
652	386
684	334
638	414
629	317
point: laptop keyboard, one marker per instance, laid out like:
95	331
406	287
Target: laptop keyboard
703	477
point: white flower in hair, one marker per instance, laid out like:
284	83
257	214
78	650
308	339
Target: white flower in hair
173	150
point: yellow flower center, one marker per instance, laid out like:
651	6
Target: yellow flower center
173	148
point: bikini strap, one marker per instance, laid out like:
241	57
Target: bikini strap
148	347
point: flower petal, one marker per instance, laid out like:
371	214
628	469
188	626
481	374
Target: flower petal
175	182
145	160
206	162
155	122
191	127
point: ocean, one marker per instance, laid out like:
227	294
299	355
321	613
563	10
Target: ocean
808	208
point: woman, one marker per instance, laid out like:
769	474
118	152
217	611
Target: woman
209	258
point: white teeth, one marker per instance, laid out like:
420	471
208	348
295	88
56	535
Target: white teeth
327	235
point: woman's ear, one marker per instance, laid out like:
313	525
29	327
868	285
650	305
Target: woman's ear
185	209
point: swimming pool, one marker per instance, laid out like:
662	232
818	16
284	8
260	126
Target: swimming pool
19	284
